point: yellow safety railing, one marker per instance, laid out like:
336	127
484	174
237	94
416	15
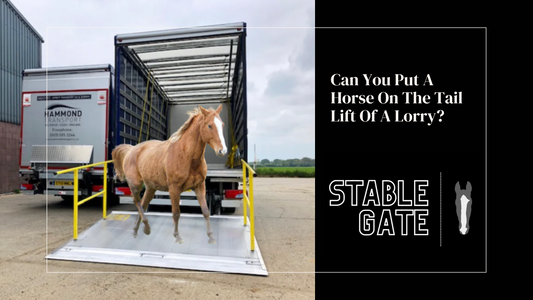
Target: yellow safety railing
76	203
248	201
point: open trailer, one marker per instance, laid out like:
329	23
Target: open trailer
73	116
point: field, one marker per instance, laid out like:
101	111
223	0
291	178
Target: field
285	171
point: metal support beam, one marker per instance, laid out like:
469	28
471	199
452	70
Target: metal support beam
229	71
183	58
193	44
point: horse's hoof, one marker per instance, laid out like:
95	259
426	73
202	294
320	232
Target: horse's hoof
179	240
147	230
211	238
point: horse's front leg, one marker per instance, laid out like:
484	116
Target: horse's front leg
200	195
175	193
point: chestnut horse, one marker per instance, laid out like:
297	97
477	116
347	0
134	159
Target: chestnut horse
175	165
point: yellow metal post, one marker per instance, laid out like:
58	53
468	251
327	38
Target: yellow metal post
252	220
249	200
75	205
105	192
244	200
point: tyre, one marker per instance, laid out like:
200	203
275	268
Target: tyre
214	204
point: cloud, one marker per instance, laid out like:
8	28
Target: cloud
284	109
305	60
281	82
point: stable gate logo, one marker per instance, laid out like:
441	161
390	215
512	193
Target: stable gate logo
390	209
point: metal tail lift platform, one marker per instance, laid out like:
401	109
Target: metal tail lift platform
110	240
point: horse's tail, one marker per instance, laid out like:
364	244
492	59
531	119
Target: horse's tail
118	155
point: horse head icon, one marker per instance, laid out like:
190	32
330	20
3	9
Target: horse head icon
463	206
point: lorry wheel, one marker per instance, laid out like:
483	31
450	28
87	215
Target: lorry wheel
112	199
213	204
216	208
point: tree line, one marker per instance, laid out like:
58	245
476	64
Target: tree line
293	162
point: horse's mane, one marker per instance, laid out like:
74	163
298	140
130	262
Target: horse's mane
192	114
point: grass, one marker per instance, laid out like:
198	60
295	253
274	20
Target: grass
285	171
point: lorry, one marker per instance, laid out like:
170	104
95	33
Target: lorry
74	116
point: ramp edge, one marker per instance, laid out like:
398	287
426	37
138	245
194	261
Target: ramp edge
254	265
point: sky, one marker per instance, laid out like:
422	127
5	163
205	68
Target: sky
280	50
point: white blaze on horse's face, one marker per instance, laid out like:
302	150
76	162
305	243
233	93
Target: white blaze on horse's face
218	124
213	132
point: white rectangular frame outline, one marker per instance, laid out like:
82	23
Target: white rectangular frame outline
314	272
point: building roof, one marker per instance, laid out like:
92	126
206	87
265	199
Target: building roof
23	19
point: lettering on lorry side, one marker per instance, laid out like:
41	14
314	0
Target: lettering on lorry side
59	115
64	97
68	113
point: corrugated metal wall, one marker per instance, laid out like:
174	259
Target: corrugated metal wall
20	49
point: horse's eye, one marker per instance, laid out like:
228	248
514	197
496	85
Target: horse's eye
209	126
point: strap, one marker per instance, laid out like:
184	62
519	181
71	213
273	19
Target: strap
144	109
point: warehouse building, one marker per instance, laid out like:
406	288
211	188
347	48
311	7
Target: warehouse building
21	48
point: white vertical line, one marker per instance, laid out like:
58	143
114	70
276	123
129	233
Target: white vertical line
486	145
46	137
440	208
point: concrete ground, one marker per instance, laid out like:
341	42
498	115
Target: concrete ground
30	229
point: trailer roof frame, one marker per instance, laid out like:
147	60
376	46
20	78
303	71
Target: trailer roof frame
195	60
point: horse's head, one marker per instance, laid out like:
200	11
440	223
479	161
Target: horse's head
212	130
463	206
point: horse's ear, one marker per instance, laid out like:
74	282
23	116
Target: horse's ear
457	187
468	187
203	110
219	109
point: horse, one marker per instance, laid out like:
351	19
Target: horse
463	206
175	165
